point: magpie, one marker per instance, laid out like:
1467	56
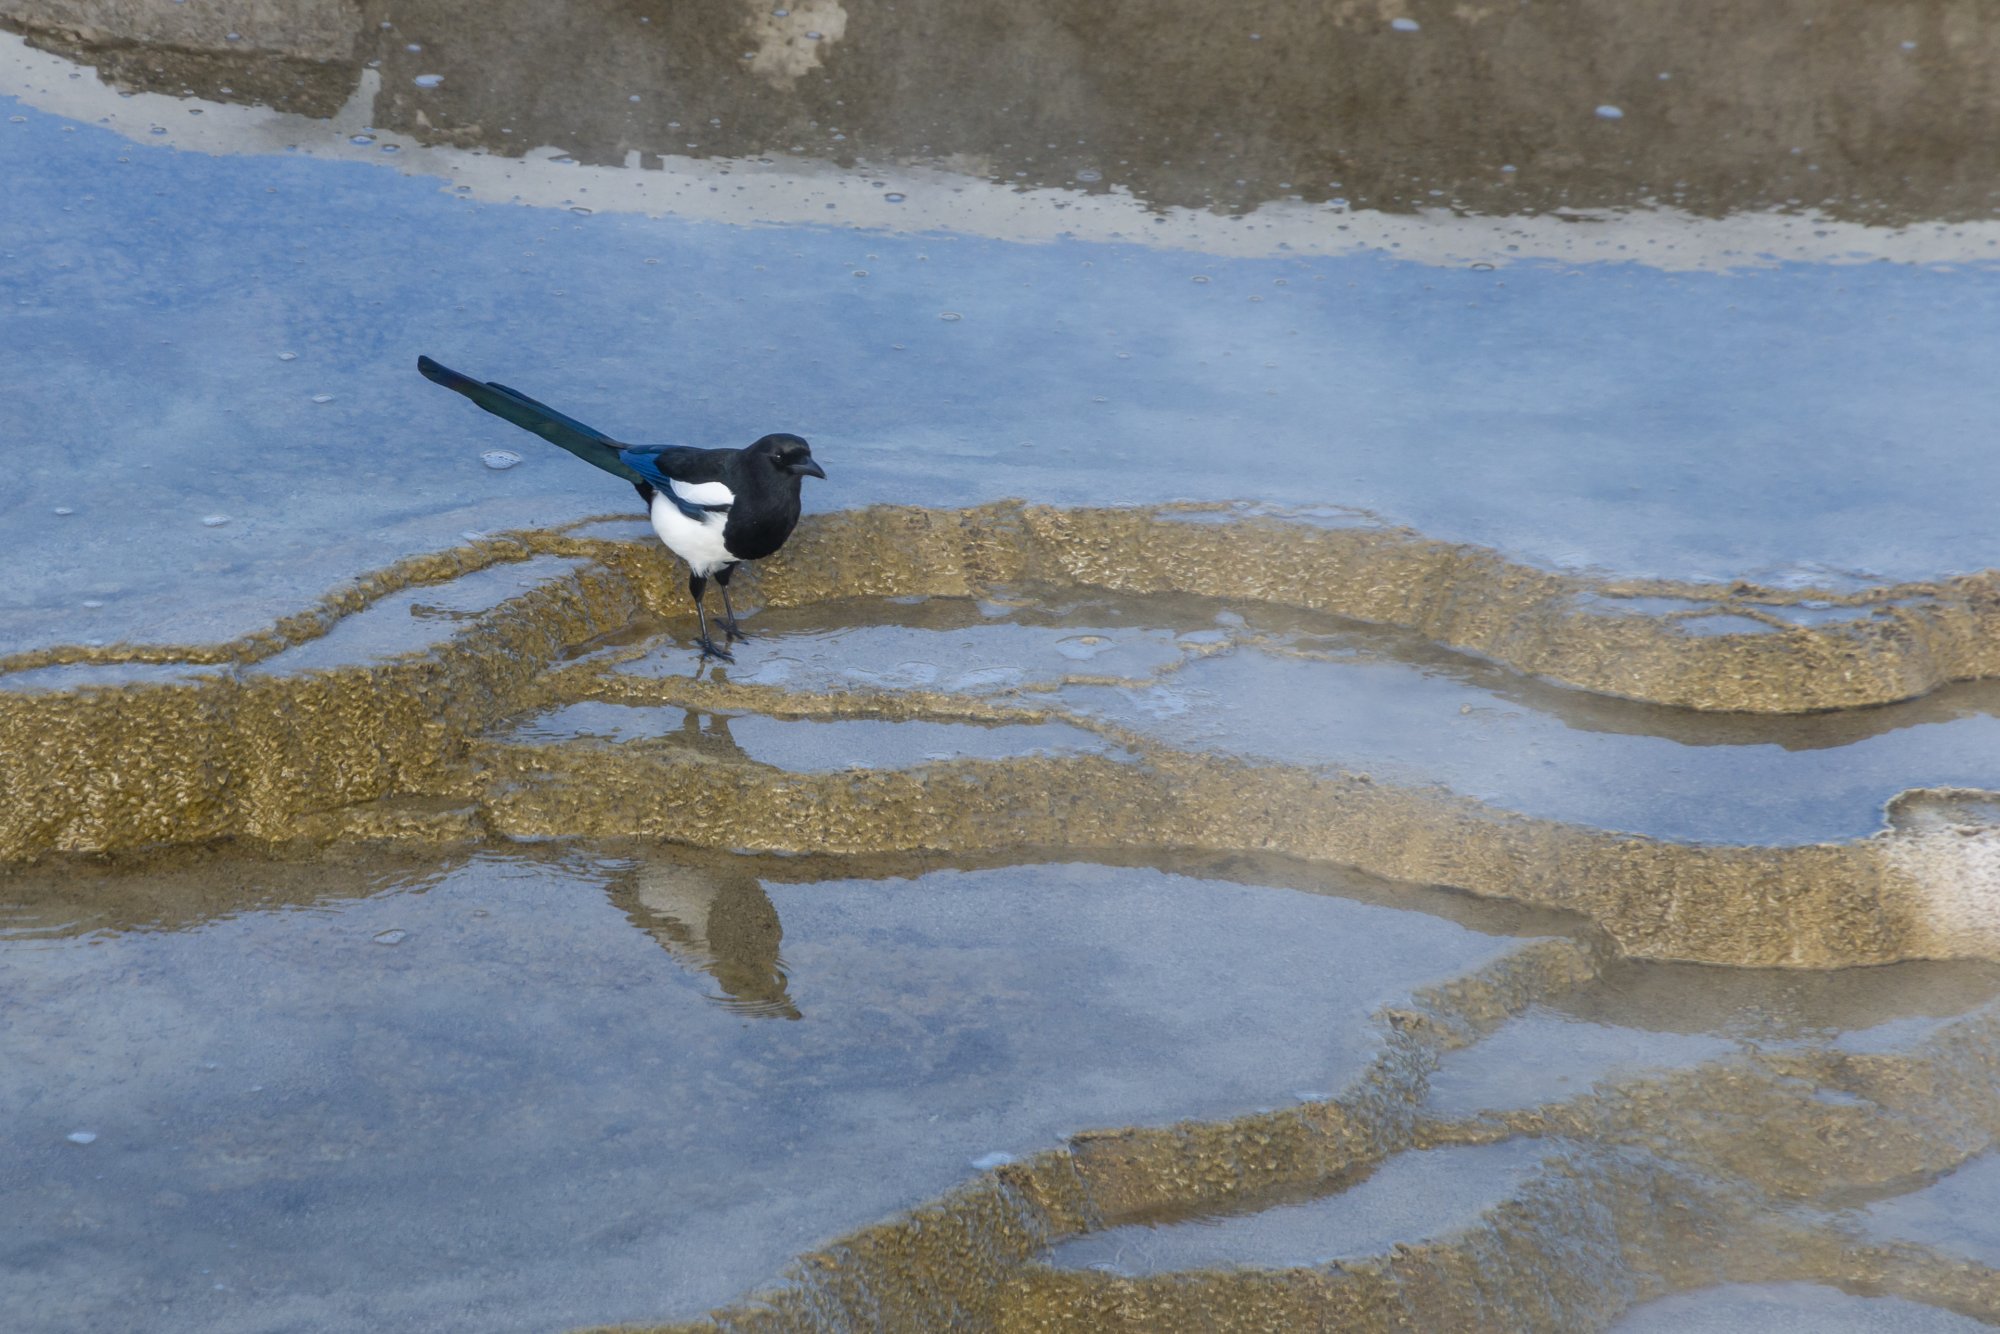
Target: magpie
714	508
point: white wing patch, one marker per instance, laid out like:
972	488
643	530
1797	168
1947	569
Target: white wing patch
703	493
696	541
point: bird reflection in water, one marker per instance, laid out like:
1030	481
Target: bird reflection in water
716	920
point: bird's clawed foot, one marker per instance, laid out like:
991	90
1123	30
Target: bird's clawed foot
710	649
733	629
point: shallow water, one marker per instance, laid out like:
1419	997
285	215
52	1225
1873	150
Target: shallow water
1595	412
1462	797
1204	677
1792	1307
528	1091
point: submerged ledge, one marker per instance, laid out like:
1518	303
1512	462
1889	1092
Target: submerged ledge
1738	647
391	726
538	686
1649	1187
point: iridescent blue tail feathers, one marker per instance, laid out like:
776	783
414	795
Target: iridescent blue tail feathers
587	443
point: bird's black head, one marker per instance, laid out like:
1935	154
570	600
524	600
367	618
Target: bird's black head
788	454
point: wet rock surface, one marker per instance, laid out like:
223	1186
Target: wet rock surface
553	702
1886	114
874	1033
1414	747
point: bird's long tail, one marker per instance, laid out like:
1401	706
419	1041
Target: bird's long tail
592	446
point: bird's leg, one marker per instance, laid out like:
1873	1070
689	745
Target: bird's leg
697	585
730	626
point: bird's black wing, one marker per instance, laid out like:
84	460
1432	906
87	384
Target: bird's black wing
587	443
698	481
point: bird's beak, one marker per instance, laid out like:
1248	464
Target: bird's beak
807	468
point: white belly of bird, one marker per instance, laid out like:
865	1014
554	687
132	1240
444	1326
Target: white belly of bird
696	541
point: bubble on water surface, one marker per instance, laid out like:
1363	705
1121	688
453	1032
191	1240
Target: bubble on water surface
950	316
393	936
499	459
64	510
1090	176
1200	278
414	46
1405	25
322	398
363	139
1608	112
428	80
214	520
288	356
81	1136
93	603
894	197
1082	647
157	129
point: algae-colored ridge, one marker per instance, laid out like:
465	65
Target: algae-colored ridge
403	748
1731	1171
1812	649
1874	900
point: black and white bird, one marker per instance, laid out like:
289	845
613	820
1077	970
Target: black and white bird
714	508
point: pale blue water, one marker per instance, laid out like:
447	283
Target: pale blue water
375	1107
1762	422
528	1093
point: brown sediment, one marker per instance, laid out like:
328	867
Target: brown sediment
261	755
400	748
1725	107
298	56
